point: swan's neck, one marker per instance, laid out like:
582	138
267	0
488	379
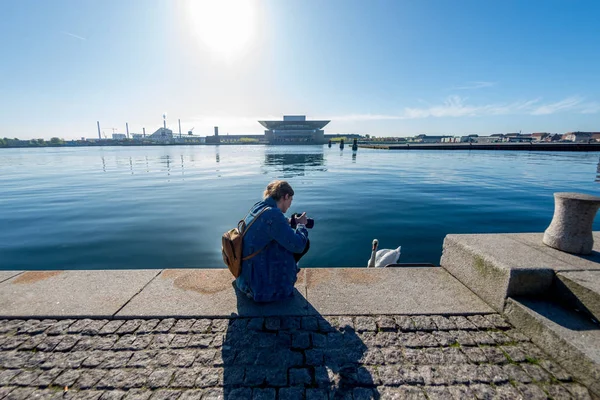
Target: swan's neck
372	259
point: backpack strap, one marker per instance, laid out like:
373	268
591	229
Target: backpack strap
251	222
243	223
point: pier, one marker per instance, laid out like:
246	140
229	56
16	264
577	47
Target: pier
488	146
490	321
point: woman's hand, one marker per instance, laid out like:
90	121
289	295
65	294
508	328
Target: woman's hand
302	219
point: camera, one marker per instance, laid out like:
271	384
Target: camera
309	221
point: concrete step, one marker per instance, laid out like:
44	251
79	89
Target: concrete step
209	292
325	291
497	266
580	290
570	338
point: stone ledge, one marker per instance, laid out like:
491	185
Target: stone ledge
582	289
6	275
569	338
496	266
420	290
70	293
210	293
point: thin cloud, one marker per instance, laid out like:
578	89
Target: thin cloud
455	106
591	108
74	35
363	117
567	104
474	85
452	107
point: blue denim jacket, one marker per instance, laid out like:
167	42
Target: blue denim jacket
271	274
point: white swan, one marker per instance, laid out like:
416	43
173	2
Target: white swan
383	257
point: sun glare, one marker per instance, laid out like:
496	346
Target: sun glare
224	26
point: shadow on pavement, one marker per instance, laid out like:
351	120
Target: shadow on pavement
293	357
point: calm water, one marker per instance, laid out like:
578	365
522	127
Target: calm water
157	207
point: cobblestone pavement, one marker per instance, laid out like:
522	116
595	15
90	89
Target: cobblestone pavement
387	357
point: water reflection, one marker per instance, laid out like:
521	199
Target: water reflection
353	157
295	164
167	160
409	194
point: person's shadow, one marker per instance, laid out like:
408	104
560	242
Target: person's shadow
296	356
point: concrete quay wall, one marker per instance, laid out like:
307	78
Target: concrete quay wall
488	146
348	332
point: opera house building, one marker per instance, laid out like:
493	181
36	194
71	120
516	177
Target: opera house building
294	129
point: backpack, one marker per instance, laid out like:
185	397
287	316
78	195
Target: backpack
232	245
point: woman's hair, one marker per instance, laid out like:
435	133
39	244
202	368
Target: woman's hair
278	189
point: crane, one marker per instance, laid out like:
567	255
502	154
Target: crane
190	131
104	134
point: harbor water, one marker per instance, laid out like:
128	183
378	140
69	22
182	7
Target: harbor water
167	206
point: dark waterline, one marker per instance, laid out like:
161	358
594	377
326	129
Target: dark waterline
166	207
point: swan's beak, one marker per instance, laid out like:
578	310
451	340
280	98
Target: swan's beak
375	243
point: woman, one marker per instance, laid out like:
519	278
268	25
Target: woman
270	274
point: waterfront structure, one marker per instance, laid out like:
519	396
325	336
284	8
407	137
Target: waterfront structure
517	138
582	136
546	334
430	139
460	139
294	129
343	135
162	135
215	139
119	136
191	139
539	136
489	139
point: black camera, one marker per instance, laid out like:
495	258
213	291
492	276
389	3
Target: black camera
309	221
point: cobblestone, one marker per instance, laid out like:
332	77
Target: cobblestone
111	327
361	357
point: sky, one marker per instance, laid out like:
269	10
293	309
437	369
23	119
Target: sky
378	67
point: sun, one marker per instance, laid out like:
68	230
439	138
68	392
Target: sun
224	26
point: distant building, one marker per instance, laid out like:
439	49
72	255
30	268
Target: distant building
451	139
119	136
190	139
430	139
328	136
517	138
161	135
581	136
215	139
460	139
487	139
539	136
294	129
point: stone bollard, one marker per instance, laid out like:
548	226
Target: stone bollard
571	226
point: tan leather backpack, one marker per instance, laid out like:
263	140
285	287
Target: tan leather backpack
232	245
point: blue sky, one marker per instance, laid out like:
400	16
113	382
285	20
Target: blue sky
386	68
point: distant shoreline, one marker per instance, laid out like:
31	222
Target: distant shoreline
381	146
488	146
